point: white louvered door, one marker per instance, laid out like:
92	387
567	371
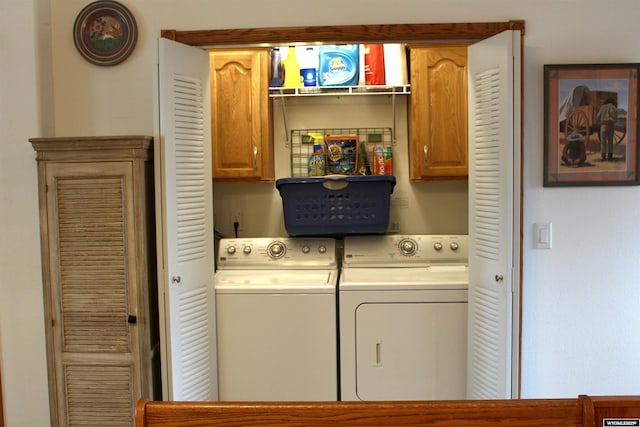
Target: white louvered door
184	197
493	211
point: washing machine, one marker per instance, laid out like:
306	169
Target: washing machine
276	319
403	317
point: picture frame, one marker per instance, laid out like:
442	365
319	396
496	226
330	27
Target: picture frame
591	124
105	32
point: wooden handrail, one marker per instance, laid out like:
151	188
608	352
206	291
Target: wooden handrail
583	411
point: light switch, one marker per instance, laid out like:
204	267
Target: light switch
542	235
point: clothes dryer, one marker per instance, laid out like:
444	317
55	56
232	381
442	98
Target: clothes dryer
403	317
276	319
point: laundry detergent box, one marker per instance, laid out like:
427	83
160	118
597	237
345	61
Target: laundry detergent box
339	65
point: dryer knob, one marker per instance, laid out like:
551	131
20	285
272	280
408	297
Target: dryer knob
306	249
322	249
454	246
437	246
246	250
231	250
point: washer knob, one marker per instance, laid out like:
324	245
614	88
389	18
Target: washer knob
437	246
322	249
276	250
407	247
246	250
231	250
306	249
454	246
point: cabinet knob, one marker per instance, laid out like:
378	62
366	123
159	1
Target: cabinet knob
131	319
425	165
176	279
255	158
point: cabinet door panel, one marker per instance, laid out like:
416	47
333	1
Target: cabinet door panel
240	114
92	271
439	112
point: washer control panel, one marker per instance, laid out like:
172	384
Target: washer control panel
398	250
277	252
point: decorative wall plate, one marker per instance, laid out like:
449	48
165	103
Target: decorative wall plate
105	32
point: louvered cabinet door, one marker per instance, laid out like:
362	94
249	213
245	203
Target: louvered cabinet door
93	300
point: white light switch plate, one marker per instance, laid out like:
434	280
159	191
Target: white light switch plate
542	235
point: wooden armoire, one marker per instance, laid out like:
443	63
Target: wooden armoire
99	276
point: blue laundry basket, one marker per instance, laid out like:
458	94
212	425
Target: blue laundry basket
336	205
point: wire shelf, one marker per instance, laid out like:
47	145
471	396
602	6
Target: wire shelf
369	139
280	92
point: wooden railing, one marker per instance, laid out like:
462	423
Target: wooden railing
584	411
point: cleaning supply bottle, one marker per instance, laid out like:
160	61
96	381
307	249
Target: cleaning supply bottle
309	66
292	76
277	69
316	160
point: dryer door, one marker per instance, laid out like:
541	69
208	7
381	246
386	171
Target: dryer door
411	351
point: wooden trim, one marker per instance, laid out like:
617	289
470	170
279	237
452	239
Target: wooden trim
588	414
619	407
343	33
1	402
141	411
372	33
578	412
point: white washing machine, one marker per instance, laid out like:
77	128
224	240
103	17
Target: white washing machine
276	319
403	317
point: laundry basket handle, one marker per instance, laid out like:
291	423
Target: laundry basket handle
335	182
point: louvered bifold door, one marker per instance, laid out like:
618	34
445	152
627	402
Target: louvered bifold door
492	222
92	232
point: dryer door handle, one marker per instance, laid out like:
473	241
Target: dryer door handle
378	354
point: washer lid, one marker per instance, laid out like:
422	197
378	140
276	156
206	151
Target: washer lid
414	278
275	281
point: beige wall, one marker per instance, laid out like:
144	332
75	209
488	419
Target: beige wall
587	284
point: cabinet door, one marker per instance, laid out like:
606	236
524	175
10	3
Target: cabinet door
92	240
241	115
438	112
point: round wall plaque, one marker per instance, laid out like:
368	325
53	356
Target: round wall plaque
105	32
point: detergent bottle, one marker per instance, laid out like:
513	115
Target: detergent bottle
316	160
309	66
292	76
276	72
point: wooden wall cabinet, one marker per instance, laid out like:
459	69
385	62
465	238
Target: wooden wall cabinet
99	276
241	115
438	118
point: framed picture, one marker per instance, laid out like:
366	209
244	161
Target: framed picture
591	125
105	32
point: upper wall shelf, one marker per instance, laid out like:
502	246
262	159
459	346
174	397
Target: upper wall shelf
280	92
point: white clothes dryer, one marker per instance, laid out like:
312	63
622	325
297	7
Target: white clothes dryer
276	319
403	317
